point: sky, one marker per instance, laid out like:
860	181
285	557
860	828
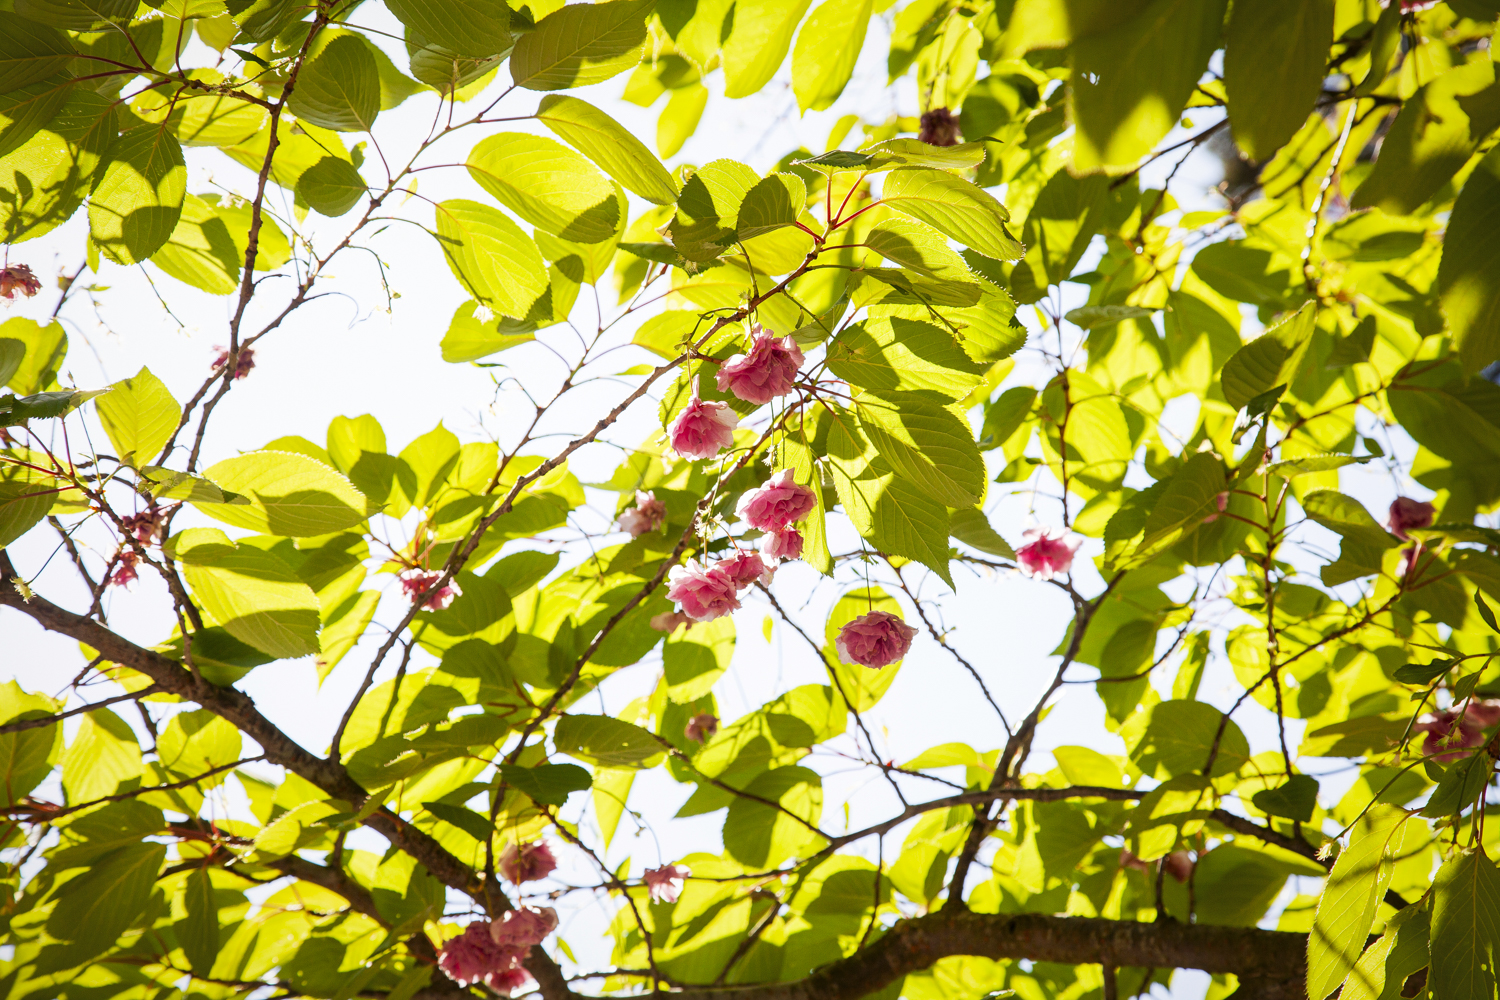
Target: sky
356	352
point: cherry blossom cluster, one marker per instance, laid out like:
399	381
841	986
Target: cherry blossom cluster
1456	731
417	585
491	951
706	427
145	528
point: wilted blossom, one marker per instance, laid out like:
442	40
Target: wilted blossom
527	862
701	727
18	278
668	621
776	505
703	594
1047	552
1178	864
768	371
523	927
473	955
665	883
938	127
145	526
646	516
778	545
745	568
703	429
416	584
125	572
1477	717
242	366
877	639
1407	514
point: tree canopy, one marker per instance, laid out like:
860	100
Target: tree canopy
951	346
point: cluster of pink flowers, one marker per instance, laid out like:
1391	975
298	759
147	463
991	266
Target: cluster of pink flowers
417	584
1407	515
701	727
18	278
646	516
491	952
527	862
665	883
877	640
703	428
768	371
242	366
125	569
1047	553
145	526
1477	716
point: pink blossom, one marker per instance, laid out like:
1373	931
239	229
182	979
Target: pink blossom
877	639
509	980
1406	514
145	526
524	926
18	278
703	594
527	862
778	545
125	574
745	568
768	371
242	367
776	505
701	727
668	621
1477	717
665	883
415	584
703	429
473	955
646	516
1046	553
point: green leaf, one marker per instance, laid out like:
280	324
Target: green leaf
1423	674
896	515
758	43
1190	496
77	15
444	70
548	783
467	27
610	145
272	248
761	836
491	256
606	742
201	251
1097	317
1485	612
202	119
1131	80
1434	134
1465	927
827	49
917	247
22	505
195	742
1271	359
332	186
926	444
1401	951
468	339
894	353
26	757
46	347
139	415
1057	232
1174	738
1348	517
1469	276
1309	464
1350	899
96	907
135	205
12	353
103	755
283	493
970	526
547	184
954	207
1274	59
897	153
30	52
43	405
1295	798
340	89
198	930
580	44
252	593
1461	784
772	203
467	820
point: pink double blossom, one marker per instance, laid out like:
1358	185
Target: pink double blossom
1477	717
145	526
417	585
472	955
877	639
768	371
646	516
527	862
778	545
745	568
701	727
1407	515
1047	552
703	429
776	505
702	594
664	883
523	927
